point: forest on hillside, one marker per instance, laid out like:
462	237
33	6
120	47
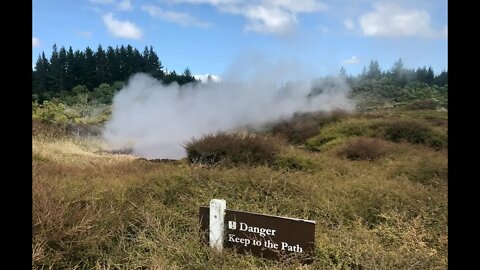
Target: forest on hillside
68	72
70	77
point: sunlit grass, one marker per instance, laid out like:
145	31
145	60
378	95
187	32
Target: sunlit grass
93	210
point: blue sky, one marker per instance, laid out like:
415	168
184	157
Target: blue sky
209	35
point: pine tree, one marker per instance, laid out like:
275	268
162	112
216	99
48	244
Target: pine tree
53	75
374	71
187	73
113	68
186	77
397	68
41	74
442	79
78	68
101	66
123	62
138	61
155	64
147	66
62	60
430	76
398	73
69	73
422	74
89	70
363	76
130	67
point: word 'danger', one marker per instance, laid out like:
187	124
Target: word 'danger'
264	235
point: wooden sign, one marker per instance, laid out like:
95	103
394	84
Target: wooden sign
266	236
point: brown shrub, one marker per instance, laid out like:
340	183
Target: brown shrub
43	128
363	148
423	104
303	126
232	149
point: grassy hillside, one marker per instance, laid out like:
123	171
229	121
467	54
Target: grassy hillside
376	187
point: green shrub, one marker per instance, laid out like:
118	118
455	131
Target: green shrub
395	130
411	131
49	112
363	149
103	94
232	149
293	163
336	133
59	119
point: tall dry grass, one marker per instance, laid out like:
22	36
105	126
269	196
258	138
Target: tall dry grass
93	210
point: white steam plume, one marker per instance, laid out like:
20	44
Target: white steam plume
155	120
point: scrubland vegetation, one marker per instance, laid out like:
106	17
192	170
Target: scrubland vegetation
375	180
379	197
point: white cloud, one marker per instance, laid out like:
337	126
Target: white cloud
211	2
349	24
269	20
183	19
101	2
391	20
121	29
35	42
204	77
297	6
125	5
351	61
265	16
120	4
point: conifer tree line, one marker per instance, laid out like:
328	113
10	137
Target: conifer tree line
66	69
68	74
399	75
399	84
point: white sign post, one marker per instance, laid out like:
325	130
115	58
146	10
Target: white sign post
217	217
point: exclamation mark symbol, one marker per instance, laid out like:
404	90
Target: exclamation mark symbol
232	225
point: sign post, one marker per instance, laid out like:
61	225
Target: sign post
216	220
265	236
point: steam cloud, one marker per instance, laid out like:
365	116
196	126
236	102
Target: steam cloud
155	120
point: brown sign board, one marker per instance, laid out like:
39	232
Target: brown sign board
266	236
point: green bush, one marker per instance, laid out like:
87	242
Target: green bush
69	117
49	112
411	131
336	133
103	94
232	149
395	130
292	163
